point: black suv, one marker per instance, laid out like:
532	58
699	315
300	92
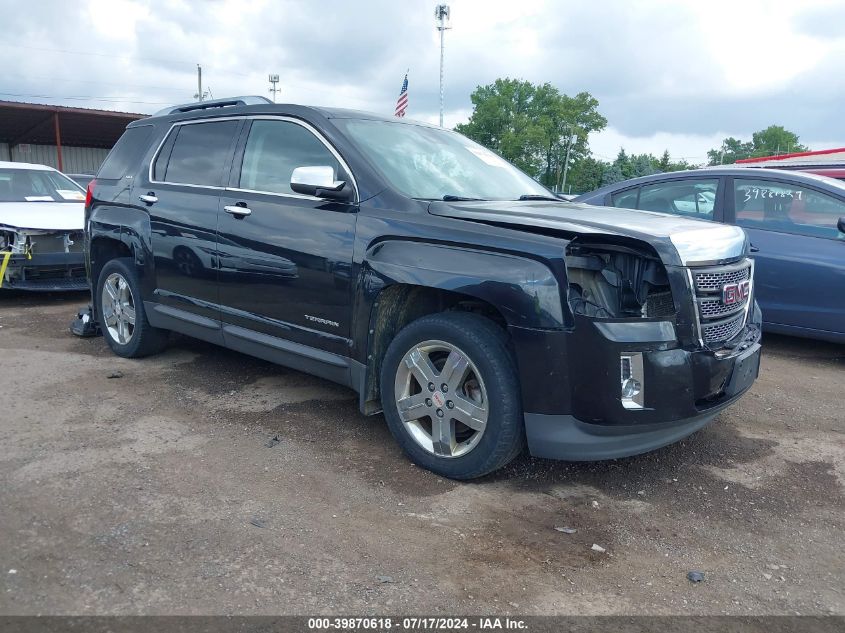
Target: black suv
445	286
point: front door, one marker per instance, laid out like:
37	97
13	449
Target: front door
285	258
799	253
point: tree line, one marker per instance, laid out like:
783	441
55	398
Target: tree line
545	133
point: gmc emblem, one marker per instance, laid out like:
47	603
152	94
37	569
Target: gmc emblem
736	293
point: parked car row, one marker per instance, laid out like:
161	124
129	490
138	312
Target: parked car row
474	307
795	221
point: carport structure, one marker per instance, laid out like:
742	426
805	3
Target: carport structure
69	139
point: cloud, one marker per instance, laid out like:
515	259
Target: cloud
665	72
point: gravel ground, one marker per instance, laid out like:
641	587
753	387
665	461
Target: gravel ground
151	486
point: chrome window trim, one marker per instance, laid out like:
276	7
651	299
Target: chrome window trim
300	196
256	117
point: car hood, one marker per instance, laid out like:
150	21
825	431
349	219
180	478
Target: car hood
49	216
678	241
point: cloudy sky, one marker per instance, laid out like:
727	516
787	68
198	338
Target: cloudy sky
668	74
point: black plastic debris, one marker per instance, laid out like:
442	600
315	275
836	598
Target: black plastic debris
260	523
272	441
84	325
115	374
695	576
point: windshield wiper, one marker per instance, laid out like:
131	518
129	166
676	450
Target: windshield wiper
537	196
450	198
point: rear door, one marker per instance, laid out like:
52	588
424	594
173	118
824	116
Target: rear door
799	252
182	195
285	267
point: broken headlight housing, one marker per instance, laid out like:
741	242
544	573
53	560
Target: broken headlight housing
7	240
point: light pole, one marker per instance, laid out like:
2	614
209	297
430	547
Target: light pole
274	79
441	19
572	141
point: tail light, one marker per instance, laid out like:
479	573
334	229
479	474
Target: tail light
89	194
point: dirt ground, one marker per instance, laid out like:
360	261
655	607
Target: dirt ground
131	487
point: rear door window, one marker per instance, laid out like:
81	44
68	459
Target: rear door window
694	197
124	157
201	153
786	207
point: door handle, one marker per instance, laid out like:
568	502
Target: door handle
149	198
237	210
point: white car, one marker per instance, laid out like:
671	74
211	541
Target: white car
41	221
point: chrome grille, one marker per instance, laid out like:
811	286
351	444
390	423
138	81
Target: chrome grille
713	280
712	308
724	330
719	322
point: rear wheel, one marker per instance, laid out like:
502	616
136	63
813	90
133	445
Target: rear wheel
121	312
450	395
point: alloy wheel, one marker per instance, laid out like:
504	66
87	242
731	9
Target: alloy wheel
118	305
441	398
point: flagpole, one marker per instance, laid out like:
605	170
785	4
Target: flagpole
442	31
441	17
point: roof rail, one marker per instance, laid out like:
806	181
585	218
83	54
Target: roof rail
213	103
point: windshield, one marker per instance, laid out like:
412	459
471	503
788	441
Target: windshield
38	185
432	163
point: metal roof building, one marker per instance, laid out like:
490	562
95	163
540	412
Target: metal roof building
73	140
820	158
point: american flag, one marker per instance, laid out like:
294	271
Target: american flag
402	102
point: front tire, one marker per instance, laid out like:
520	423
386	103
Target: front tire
121	312
450	395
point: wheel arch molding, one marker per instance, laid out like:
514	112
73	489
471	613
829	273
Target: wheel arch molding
524	290
402	281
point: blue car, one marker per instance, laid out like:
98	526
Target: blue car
794	220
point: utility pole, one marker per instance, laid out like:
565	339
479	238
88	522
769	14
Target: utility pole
441	19
572	140
274	79
199	82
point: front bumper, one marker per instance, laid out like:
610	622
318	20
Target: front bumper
568	438
572	399
44	272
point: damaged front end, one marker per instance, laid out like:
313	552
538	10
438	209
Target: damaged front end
41	260
613	281
673	334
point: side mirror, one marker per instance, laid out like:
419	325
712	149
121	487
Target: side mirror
841	224
319	181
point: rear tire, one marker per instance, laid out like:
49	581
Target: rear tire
473	426
121	313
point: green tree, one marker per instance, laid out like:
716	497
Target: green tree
533	126
585	175
664	163
772	141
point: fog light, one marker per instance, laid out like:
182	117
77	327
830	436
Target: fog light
632	390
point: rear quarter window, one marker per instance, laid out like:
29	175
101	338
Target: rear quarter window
124	157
